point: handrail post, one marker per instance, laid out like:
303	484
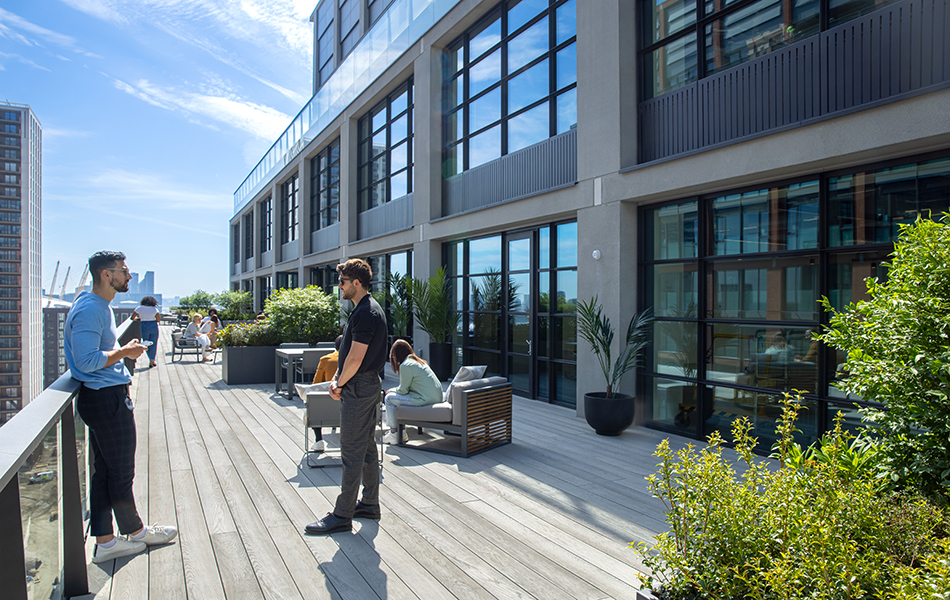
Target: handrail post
75	577
12	551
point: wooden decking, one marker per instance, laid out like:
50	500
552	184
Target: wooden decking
548	516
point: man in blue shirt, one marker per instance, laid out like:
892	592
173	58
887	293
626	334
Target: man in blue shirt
95	358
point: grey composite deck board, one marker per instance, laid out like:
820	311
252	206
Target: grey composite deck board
548	516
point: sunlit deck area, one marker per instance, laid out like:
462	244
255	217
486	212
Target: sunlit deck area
548	516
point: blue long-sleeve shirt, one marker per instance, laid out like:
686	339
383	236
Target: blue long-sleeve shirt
89	333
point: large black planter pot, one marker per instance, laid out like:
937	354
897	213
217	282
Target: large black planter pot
608	416
440	360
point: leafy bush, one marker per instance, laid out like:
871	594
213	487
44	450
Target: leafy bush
898	346
820	526
303	315
233	304
199	300
249	334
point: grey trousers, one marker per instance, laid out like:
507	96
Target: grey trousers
358	443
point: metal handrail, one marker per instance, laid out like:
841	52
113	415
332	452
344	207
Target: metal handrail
19	438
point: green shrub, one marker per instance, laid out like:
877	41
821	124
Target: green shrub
200	300
898	346
819	525
303	315
233	304
249	334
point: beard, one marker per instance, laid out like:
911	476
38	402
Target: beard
120	287
348	293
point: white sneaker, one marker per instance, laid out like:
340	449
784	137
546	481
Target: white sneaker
392	438
122	547
156	535
318	446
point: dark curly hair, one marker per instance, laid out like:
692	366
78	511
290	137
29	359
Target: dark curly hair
149	301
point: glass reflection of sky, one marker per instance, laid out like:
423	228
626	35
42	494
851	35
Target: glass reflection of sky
528	128
485	147
485	73
484	254
566	21
530	86
528	45
519	254
488	37
484	111
524	11
567	245
567	66
567	111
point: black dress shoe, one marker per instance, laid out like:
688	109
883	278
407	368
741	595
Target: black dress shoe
366	511
330	524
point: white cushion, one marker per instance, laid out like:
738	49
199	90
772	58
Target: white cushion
464	374
303	388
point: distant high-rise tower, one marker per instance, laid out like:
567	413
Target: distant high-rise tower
147	286
21	310
134	284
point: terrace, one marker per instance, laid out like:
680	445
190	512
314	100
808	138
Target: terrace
548	516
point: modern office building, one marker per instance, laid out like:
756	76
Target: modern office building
723	163
54	353
21	314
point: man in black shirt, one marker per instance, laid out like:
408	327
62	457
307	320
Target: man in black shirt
357	385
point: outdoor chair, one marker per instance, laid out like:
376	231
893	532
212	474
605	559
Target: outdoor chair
180	346
476	418
311	360
323	411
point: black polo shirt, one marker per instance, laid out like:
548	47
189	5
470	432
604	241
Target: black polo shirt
366	325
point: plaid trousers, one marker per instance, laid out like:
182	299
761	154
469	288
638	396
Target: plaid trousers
112	437
358	443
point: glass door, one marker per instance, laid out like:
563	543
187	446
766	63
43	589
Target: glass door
519	293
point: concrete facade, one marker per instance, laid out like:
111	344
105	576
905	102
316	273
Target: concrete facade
611	187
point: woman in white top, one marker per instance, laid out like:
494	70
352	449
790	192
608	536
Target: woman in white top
192	332
148	313
209	327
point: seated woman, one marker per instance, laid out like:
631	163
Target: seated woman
193	333
418	385
209	327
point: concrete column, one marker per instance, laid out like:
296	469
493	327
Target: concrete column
606	87
349	147
427	124
611	229
306	206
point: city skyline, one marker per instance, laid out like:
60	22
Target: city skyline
152	114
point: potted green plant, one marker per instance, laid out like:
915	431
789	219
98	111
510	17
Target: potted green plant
609	412
432	306
399	296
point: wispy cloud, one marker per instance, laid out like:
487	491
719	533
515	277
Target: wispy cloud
18	29
21	59
279	30
222	106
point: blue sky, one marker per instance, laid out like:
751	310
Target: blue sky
153	112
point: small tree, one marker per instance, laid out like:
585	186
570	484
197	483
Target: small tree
303	315
233	303
898	346
200	300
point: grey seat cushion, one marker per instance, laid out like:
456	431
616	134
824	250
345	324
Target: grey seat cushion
435	413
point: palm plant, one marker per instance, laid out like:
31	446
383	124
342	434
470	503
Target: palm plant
433	307
596	329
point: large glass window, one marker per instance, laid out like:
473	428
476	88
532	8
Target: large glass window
517	295
509	82
249	235
325	32
726	33
735	280
266	211
386	149
236	243
325	187
290	199
349	26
